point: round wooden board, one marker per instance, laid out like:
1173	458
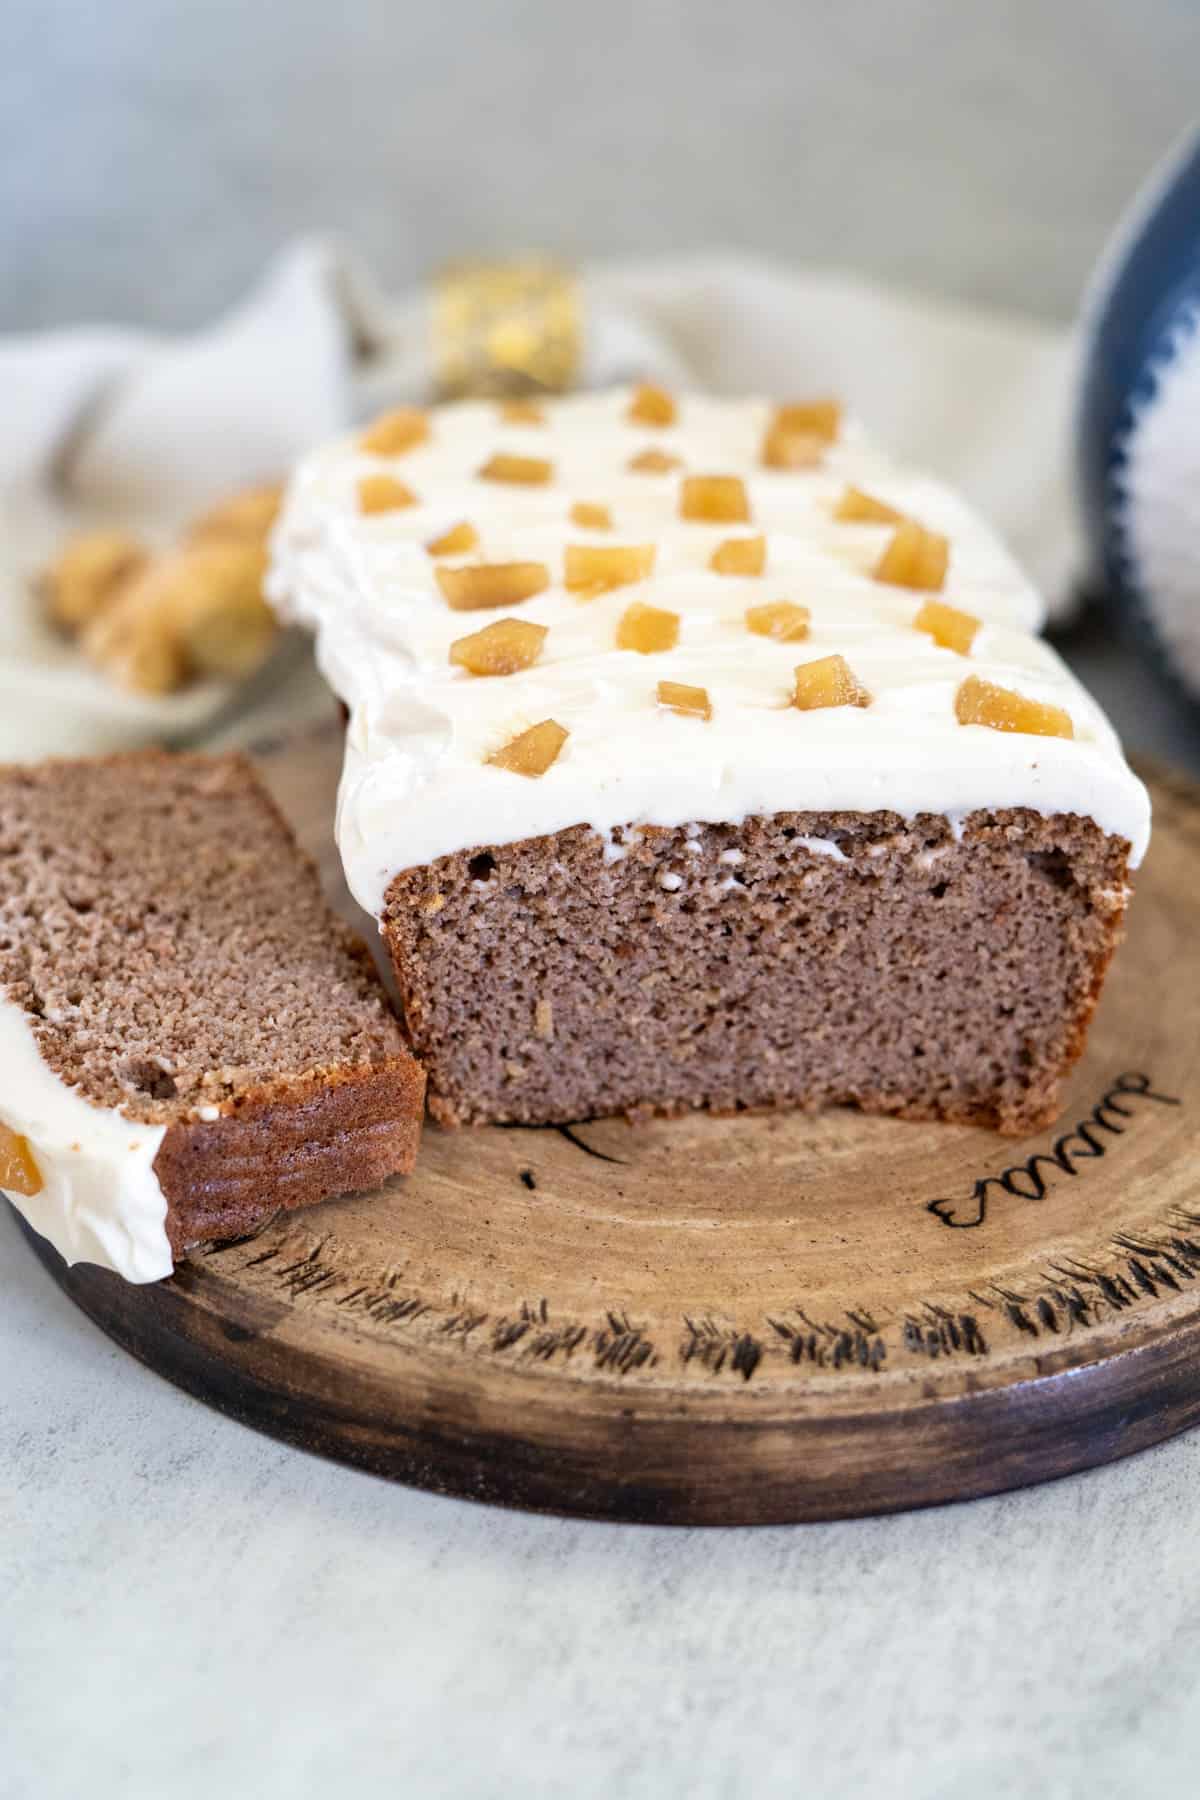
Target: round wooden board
736	1320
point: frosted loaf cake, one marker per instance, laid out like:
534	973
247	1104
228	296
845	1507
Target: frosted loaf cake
189	1040
698	756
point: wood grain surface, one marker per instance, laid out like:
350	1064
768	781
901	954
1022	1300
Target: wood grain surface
746	1320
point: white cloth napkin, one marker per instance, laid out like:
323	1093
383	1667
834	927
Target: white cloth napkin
119	425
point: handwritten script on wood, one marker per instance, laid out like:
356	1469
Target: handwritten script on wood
1030	1180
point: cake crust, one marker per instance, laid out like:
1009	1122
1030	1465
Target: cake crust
289	1144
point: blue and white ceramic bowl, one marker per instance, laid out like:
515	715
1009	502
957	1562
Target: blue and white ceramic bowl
1138	418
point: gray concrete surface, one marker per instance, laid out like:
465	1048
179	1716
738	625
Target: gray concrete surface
153	151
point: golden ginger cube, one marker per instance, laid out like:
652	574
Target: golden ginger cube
228	632
146	663
520	471
830	681
594	568
654	462
395	432
947	626
199	611
678	697
813	418
740	556
19	1173
383	493
90	572
779	619
857	507
915	558
651	406
591	517
457	541
717	499
133	645
533	751
247	516
984	703
522	412
647	629
209	598
784	449
477	586
500	649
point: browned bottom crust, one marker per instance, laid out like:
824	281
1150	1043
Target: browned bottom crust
333	1131
893	966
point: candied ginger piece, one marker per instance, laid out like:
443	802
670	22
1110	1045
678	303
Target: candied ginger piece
654	462
213	604
740	556
830	681
521	471
134	641
197	610
819	418
915	558
787	449
383	493
780	619
19	1173
647	629
651	406
246	516
395	432
500	649
984	703
533	751
591	516
678	697
947	626
716	498
522	412
457	541
594	568
90	572
479	585
856	506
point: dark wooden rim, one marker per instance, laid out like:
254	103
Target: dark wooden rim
771	1464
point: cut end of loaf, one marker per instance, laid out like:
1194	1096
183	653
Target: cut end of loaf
800	960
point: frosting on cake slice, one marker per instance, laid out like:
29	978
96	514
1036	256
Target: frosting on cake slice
189	1039
637	545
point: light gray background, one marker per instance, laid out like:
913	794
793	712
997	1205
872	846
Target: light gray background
187	1609
153	151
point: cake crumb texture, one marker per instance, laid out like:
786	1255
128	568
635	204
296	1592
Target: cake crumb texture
802	959
177	961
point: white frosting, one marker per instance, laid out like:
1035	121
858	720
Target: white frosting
100	1200
416	785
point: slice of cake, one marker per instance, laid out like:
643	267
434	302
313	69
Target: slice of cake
700	757
189	1039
